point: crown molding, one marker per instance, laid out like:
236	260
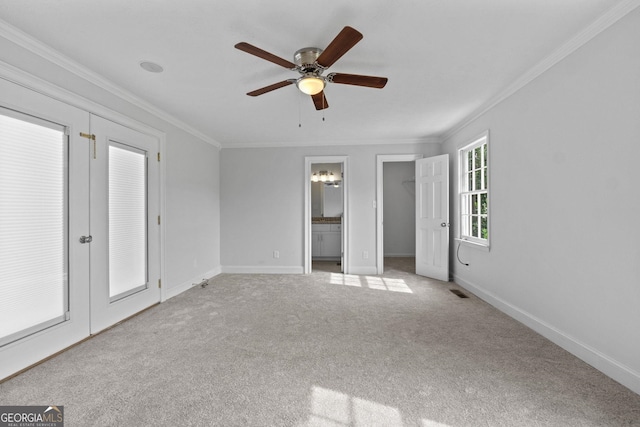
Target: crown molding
335	142
22	78
606	20
46	52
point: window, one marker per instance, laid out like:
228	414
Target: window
474	191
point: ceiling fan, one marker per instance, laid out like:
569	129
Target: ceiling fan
311	62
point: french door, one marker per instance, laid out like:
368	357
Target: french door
79	240
125	237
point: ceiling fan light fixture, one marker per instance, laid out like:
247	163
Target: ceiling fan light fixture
310	84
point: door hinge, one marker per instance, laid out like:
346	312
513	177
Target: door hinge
158	156
158	219
91	137
159	283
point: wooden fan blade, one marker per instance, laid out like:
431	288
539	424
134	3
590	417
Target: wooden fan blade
320	101
246	47
358	80
270	88
345	40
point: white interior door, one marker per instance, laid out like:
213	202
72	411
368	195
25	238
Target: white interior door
432	217
44	210
125	230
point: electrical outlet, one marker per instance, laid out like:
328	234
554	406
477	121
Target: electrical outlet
276	254
365	254
195	262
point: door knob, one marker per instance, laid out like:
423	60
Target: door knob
86	239
444	224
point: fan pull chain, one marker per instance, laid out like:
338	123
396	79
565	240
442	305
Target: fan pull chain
299	113
323	106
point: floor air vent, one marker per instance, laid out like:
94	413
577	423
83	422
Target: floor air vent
458	293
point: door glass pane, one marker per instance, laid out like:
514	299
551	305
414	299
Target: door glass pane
127	220
33	225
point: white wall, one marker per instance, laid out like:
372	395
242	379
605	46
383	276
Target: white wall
399	195
192	202
258	217
193	212
564	200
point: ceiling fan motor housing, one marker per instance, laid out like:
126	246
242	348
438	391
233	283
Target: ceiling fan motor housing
306	57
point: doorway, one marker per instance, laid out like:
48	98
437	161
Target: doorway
401	182
327	209
326	213
431	213
399	215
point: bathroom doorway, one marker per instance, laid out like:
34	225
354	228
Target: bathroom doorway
326	214
327	209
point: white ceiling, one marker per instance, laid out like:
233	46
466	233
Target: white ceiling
445	59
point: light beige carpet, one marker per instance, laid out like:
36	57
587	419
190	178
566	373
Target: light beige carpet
323	350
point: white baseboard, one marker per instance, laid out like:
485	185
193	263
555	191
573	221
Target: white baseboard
363	270
605	364
178	289
388	255
262	269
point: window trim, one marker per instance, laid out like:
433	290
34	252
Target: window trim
479	140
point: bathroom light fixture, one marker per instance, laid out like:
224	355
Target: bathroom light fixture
323	176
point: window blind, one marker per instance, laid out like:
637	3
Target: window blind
127	220
33	225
